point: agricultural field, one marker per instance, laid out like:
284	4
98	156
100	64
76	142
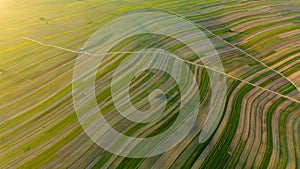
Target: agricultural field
247	54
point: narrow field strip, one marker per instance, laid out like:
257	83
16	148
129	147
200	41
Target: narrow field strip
212	69
236	47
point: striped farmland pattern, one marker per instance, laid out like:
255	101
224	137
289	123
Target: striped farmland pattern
258	43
